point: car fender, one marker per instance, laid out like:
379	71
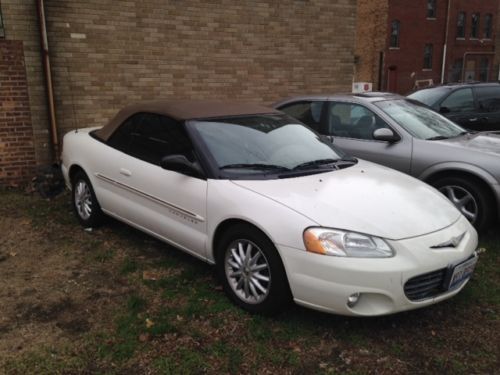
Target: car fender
458	166
228	201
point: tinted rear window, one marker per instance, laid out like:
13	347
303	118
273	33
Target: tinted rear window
429	96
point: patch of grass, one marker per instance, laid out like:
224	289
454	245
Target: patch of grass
103	255
196	329
128	327
128	266
46	361
185	362
135	304
163	323
229	354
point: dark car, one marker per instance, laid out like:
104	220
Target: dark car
475	106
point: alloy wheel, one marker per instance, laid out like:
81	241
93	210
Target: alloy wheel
83	200
463	200
247	271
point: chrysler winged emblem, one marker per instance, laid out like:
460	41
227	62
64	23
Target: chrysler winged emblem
453	242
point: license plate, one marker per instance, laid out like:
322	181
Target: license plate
462	272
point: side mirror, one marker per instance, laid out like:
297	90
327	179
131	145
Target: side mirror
444	110
385	134
179	163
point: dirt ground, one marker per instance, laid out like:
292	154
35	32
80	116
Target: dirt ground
49	292
112	300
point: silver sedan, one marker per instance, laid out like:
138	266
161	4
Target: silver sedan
402	134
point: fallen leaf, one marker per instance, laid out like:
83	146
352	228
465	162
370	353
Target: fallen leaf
150	275
149	323
12	254
143	337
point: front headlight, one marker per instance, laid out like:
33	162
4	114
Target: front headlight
345	244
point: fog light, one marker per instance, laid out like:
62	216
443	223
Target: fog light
353	299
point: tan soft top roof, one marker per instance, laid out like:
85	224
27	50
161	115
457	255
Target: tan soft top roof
184	110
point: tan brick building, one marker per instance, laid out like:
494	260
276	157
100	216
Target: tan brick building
370	40
107	53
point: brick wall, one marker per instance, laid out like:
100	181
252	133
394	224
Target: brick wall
21	24
107	53
370	39
17	156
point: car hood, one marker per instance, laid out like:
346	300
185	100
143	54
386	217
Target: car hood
485	142
365	198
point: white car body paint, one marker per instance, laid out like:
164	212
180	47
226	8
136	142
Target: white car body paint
365	198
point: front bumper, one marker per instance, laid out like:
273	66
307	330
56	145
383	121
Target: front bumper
325	282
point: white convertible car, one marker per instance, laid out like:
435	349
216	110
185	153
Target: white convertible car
280	211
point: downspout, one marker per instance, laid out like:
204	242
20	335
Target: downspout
445	45
48	80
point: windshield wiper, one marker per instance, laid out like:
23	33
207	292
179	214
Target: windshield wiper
256	166
315	163
436	138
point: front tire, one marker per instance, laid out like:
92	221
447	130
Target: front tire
470	198
251	271
85	204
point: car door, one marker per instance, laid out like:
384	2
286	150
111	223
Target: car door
351	128
459	106
165	203
488	103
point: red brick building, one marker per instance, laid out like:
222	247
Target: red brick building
107	53
17	153
430	42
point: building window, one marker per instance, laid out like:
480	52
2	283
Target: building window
484	66
488	26
2	30
395	25
474	27
456	71
461	25
428	56
431	8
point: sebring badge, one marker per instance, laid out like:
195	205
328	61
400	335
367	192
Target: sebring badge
453	242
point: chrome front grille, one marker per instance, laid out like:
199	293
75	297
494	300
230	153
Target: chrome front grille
424	286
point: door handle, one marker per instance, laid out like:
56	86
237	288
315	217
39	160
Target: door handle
473	119
125	172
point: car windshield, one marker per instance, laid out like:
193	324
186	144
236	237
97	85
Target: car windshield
419	121
266	144
429	96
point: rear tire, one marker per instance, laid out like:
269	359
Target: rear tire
251	271
471	198
85	204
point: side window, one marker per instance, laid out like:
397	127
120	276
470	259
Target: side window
395	30
458	101
461	25
488	98
122	137
352	121
307	112
159	136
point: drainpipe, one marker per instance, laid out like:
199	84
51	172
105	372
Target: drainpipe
445	45
468	54
48	79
